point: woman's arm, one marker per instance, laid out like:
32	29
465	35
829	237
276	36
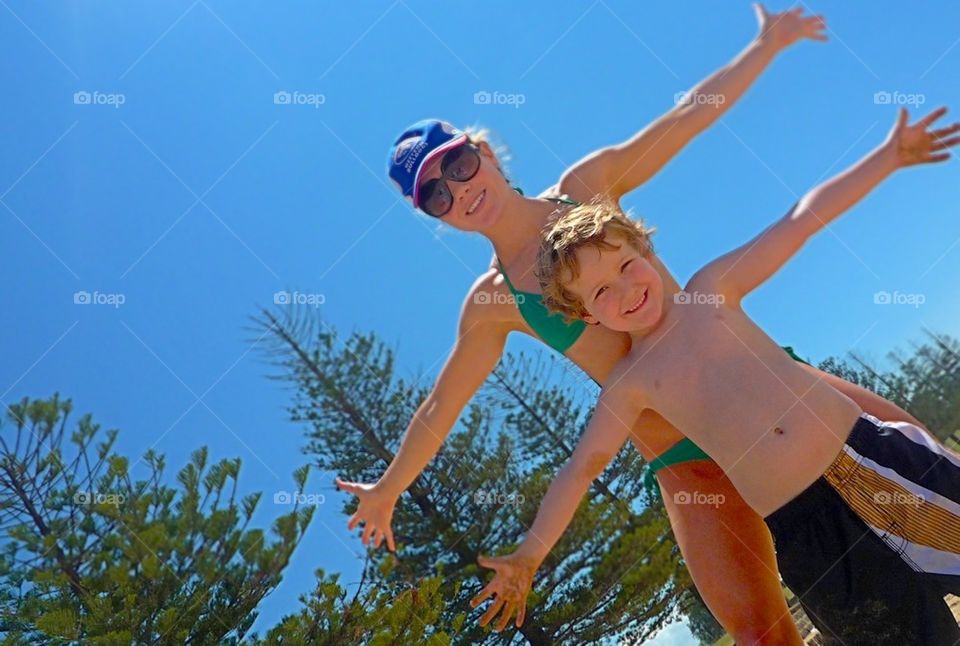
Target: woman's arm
868	400
479	345
620	169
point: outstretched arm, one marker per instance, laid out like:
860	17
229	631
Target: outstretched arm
742	270
617	410
478	348
622	168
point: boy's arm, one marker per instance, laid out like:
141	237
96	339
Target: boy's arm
609	428
739	272
621	168
617	410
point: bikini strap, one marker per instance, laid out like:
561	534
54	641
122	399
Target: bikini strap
506	278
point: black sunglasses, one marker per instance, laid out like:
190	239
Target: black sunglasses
459	164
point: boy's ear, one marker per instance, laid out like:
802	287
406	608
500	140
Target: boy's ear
589	320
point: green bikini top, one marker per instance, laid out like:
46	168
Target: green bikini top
555	330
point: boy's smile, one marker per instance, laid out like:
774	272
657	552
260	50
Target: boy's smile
620	289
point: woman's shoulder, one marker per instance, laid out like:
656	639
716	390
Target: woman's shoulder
489	299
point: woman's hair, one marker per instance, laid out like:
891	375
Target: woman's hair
583	226
479	134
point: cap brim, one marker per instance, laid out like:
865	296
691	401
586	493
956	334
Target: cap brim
439	150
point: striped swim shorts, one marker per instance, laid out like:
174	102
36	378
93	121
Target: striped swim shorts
873	545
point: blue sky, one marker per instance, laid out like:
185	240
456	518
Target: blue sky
175	183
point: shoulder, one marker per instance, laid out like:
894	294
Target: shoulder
488	301
623	394
709	279
584	179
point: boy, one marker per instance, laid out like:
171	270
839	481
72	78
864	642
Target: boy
871	508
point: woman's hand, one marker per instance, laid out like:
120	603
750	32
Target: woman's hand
375	509
511	585
917	144
784	29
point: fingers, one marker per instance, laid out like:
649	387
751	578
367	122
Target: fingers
347	486
902	116
367	531
390	543
760	10
377	538
484	594
933	116
508	611
490	562
945	132
354	520
933	159
945	143
492	611
522	615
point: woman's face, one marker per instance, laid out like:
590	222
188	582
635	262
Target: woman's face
478	201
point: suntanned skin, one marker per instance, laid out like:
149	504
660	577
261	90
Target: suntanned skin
753	407
728	549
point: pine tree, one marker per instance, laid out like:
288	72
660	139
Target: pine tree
91	556
615	573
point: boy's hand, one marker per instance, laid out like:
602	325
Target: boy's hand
916	144
511	585
784	29
375	510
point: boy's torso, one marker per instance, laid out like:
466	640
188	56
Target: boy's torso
770	425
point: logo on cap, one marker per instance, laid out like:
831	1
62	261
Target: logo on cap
403	149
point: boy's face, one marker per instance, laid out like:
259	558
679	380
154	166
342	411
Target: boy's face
619	288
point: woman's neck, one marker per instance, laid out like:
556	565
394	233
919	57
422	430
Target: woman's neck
519	227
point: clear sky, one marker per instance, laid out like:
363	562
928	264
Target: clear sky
147	163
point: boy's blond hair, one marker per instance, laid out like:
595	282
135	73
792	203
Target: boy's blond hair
582	226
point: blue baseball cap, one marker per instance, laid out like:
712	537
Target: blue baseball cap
415	148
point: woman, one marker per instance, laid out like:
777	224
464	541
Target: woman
727	548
